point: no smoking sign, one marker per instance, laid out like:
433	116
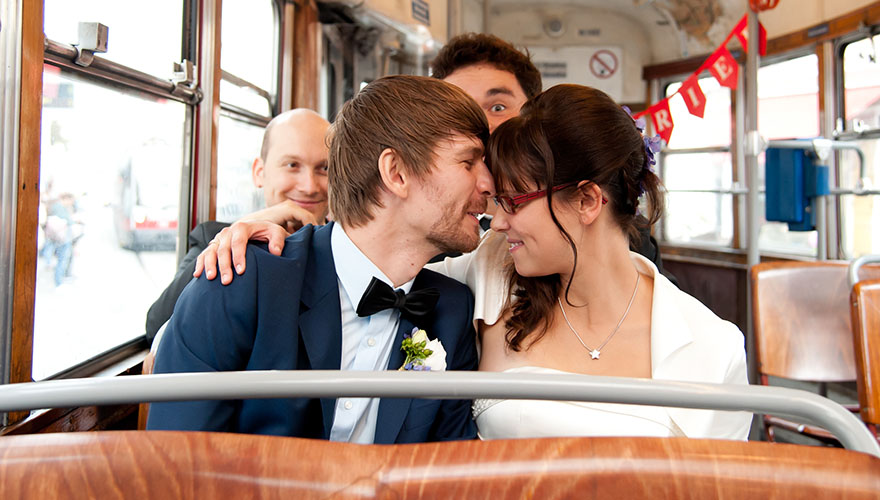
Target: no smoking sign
603	64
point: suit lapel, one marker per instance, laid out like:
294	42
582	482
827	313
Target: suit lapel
392	411
320	319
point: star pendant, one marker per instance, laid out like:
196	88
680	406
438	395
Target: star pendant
595	354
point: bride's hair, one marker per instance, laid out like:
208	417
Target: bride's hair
566	134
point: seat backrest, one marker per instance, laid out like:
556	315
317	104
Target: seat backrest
865	308
801	320
145	465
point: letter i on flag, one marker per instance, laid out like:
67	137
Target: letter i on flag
662	119
723	67
693	96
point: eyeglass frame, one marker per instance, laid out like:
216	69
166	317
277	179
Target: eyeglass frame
513	201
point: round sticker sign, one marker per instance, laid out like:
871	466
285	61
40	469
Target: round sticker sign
603	64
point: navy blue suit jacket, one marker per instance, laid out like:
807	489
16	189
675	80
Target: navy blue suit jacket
283	314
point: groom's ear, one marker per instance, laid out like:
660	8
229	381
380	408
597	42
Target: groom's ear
395	177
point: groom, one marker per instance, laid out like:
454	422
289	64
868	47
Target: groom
406	182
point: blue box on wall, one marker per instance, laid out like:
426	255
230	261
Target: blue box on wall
793	180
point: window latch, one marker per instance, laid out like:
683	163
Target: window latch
92	39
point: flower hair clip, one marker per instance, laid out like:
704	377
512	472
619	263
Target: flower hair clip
640	121
652	146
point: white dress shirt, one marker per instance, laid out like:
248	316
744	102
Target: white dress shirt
366	342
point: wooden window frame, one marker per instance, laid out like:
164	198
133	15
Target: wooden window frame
299	55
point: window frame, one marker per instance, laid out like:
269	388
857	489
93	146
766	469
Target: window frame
663	86
292	22
843	133
116	76
273	99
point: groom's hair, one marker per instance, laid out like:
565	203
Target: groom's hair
407	114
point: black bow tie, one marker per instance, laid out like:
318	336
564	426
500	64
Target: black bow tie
486	222
414	306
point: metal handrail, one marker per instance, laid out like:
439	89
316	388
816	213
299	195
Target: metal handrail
857	264
794	404
822	148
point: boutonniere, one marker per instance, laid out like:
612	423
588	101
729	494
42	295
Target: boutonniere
422	354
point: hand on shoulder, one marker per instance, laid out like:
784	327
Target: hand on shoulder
228	248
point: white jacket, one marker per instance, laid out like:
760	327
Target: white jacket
688	341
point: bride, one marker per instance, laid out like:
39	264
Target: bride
557	289
570	172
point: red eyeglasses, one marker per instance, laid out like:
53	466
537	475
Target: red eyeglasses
509	204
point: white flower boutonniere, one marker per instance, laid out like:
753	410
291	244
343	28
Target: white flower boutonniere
422	354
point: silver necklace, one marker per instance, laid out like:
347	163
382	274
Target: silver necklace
594	353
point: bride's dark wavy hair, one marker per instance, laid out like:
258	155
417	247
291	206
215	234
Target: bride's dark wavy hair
566	134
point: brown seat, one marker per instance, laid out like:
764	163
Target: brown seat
802	327
144	465
865	308
144	408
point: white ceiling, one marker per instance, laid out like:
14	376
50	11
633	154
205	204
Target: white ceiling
676	28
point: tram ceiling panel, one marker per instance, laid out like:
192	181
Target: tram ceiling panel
674	29
420	20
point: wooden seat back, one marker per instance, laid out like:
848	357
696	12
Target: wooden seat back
163	465
801	320
865	308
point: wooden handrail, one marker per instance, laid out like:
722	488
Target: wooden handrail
144	465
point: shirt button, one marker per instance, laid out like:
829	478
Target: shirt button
371	341
348	405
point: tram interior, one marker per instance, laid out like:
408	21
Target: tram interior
128	143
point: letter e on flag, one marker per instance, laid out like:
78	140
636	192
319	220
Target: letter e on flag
723	67
662	119
693	96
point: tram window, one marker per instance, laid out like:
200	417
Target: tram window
250	54
694	213
788	108
697	210
149	41
110	181
860	215
788	98
861	79
236	194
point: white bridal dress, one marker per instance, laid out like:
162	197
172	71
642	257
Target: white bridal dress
513	418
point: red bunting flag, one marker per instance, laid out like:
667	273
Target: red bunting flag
693	96
662	119
723	67
742	32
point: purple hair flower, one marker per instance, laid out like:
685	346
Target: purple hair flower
652	146
640	121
